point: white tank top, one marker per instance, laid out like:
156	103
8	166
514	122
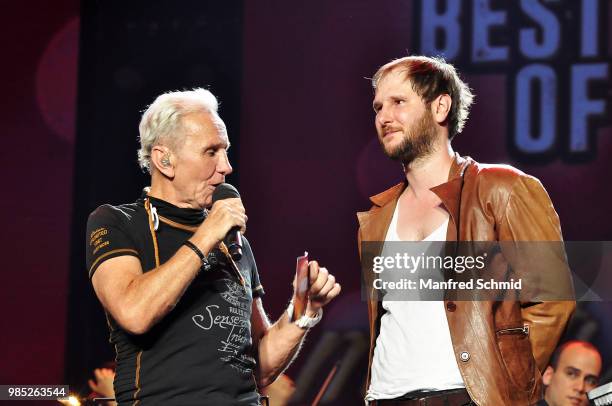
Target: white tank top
414	349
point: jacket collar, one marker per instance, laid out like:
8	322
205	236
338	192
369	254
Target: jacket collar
450	192
374	223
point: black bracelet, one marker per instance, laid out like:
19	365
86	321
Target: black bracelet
199	253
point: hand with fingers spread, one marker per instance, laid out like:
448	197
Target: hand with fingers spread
323	288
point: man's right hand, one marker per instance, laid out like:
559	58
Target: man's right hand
223	216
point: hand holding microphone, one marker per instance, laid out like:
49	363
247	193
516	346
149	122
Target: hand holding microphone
226	220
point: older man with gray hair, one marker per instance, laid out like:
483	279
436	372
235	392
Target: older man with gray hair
186	320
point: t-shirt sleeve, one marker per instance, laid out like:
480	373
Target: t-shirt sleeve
106	237
256	287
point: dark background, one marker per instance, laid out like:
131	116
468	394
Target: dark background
290	77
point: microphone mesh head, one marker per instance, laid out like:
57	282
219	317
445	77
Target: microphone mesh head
225	191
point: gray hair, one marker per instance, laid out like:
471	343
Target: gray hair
431	77
161	121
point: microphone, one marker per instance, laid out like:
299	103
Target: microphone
233	239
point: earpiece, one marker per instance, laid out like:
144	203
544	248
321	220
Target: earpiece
165	161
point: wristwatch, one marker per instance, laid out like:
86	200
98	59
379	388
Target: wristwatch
304	321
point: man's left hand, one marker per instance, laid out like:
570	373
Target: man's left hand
323	288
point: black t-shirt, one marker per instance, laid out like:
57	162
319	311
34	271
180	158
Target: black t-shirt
201	352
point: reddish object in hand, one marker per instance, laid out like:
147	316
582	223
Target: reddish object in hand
302	284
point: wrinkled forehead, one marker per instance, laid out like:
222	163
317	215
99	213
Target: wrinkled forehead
206	127
206	121
220	125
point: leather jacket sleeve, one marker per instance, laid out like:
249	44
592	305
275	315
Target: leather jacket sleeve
531	217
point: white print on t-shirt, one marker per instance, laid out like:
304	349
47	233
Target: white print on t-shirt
237	323
235	295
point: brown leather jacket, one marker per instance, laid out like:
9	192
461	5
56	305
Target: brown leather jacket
500	361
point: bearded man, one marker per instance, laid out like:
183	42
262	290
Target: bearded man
451	352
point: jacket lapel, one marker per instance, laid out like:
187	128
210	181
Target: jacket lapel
375	222
450	194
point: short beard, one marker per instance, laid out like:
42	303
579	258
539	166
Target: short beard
417	144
